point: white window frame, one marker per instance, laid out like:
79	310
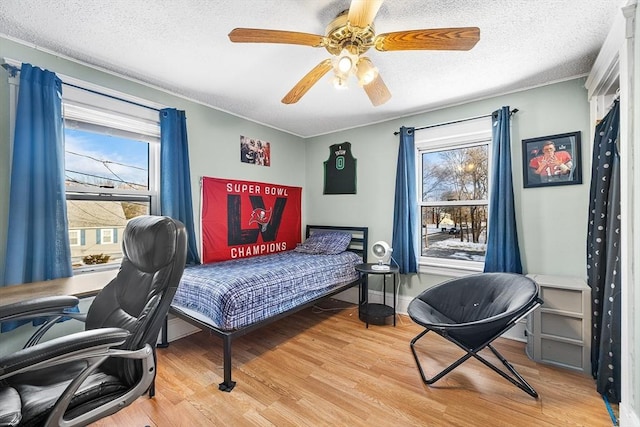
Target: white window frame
87	104
96	109
14	83
106	236
462	134
75	234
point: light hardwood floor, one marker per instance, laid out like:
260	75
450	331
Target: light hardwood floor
321	368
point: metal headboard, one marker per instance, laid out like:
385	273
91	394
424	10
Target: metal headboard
359	237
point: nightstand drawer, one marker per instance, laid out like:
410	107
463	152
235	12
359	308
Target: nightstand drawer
568	300
562	353
561	326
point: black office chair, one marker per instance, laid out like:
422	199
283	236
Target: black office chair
472	312
82	377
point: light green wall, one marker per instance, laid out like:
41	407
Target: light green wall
214	136
552	221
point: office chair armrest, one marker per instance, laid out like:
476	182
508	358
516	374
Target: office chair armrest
37	307
94	343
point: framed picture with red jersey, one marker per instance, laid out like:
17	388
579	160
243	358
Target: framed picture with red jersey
552	160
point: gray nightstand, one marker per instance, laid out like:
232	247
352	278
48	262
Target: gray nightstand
559	332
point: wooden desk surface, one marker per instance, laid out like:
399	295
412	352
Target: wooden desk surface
83	285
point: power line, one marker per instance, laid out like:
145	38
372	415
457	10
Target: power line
105	178
99	205
95	217
116	175
105	161
70	179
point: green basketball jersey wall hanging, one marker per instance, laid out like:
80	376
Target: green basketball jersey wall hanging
340	170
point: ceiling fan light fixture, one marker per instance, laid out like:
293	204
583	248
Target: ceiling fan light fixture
340	82
349	36
366	72
345	63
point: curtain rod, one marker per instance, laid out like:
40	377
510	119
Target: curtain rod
117	98
13	70
512	112
616	98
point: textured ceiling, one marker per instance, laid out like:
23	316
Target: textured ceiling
182	47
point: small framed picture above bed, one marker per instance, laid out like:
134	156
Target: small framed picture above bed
255	151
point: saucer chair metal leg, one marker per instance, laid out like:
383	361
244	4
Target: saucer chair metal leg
442	373
519	381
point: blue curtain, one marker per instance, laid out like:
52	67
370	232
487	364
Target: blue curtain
405	213
37	239
503	253
175	175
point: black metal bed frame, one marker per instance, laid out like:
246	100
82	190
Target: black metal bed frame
359	244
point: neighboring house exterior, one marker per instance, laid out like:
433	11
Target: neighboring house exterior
86	237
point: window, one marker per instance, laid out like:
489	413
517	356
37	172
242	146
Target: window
453	194
106	236
74	238
112	165
111	170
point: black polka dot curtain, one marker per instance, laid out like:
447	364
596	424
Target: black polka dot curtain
603	256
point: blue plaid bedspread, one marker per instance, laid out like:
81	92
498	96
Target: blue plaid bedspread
237	293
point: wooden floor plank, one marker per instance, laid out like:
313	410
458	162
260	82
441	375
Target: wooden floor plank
317	368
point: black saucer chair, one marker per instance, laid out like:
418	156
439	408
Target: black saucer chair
472	312
82	377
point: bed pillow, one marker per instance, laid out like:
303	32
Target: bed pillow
325	242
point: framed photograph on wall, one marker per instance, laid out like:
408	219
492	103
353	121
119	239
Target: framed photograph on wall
552	160
255	151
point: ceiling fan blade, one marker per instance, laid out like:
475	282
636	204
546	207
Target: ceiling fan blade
363	12
434	39
256	35
377	91
306	82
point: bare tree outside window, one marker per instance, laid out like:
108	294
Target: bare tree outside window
454	203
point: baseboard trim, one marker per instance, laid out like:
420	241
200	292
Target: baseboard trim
627	415
178	328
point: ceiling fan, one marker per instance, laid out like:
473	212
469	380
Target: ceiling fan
348	37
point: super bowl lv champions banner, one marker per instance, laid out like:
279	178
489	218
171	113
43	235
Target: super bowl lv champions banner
241	219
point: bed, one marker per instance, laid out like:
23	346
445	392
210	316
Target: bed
232	298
